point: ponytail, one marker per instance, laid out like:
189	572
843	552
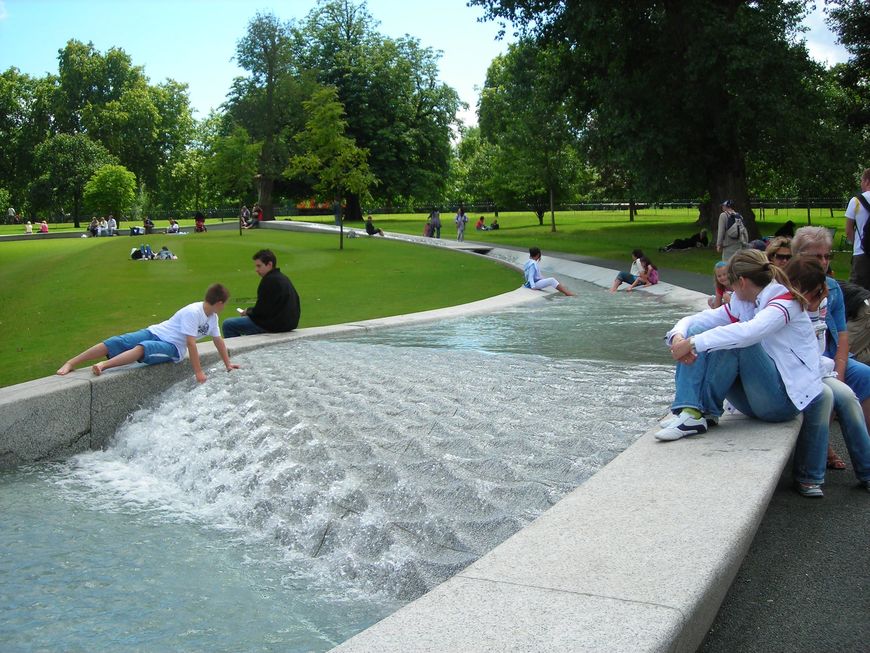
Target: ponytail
753	265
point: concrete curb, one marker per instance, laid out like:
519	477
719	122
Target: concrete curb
638	558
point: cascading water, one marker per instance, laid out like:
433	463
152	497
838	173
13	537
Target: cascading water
372	468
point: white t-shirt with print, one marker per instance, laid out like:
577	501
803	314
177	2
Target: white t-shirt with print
188	321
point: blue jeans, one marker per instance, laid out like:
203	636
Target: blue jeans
240	326
747	377
853	426
811	450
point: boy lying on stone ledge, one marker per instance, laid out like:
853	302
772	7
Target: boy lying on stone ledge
164	342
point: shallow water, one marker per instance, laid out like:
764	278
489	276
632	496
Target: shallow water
293	503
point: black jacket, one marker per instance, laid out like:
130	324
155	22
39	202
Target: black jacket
277	308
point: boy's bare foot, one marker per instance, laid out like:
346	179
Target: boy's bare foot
66	368
97	369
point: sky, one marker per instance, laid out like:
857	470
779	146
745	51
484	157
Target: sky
193	41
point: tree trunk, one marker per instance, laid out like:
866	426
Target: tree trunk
265	185
354	209
552	212
76	208
632	209
728	182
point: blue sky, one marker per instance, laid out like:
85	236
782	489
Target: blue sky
193	41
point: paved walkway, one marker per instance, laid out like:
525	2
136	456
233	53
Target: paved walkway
805	583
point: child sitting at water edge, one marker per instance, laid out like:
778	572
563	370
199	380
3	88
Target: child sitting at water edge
722	291
649	276
631	276
532	274
164	342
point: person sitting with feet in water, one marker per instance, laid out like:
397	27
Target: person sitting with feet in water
164	342
532	274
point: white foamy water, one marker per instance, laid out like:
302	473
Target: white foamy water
335	479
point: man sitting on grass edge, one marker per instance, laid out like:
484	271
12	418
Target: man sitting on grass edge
164	342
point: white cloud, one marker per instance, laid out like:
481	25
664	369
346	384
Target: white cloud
821	41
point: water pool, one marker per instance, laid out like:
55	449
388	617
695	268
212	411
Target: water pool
290	505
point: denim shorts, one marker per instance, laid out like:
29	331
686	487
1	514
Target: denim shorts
156	351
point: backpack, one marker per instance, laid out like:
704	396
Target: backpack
136	254
735	229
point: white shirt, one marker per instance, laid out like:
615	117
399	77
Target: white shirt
858	214
188	321
781	326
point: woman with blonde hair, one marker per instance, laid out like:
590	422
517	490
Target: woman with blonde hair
759	352
778	251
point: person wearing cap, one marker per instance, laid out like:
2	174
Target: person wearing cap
728	243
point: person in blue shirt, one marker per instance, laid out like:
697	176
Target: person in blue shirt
532	274
815	242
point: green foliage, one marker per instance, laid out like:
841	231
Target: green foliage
232	165
536	154
268	102
334	161
682	95
396	107
112	190
5	200
66	163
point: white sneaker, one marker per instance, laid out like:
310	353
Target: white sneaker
684	425
669	419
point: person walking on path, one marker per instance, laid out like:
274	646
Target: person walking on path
857	215
731	235
168	341
435	224
277	309
461	221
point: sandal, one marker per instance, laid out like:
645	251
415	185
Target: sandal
835	462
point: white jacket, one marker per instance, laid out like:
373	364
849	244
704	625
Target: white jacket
777	322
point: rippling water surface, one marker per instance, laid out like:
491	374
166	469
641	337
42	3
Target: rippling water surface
290	504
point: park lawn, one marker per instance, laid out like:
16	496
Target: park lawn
62	296
609	234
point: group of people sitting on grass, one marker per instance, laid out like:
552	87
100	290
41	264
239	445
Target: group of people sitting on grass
775	343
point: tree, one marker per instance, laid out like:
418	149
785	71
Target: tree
25	122
395	106
66	163
268	103
232	165
679	93
522	111
112	190
338	167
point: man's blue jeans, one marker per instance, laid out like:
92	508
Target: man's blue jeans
853	426
240	326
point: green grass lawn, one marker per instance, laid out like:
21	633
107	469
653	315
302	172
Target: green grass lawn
61	296
609	234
